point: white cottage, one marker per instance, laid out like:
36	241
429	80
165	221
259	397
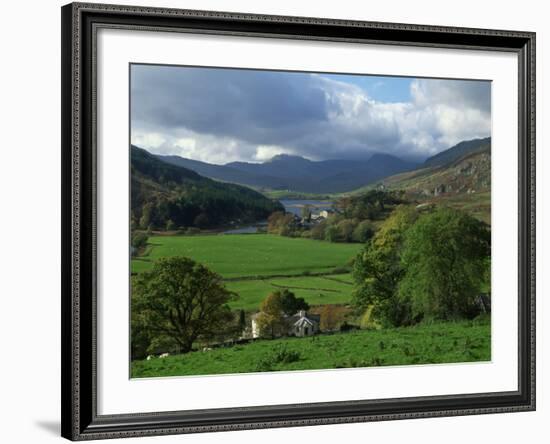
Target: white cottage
300	324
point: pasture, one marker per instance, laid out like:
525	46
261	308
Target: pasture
250	254
450	342
265	262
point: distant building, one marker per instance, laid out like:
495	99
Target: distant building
300	324
325	213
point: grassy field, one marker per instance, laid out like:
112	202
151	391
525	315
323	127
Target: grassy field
267	257
423	344
251	254
316	290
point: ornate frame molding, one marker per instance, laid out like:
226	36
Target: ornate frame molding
79	395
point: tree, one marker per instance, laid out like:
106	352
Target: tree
331	317
170	225
377	270
331	233
287	225
271	320
363	232
318	230
273	222
345	229
290	304
201	221
179	302
281	223
146	218
306	212
445	257
139	240
242	320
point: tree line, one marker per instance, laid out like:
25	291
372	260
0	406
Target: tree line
353	218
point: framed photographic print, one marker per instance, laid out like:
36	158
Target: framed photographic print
280	221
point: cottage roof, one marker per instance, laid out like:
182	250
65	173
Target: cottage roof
311	318
303	322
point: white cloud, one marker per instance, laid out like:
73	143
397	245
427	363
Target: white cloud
253	117
266	152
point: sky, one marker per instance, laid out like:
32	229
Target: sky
219	115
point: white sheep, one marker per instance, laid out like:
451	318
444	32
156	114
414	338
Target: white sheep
164	355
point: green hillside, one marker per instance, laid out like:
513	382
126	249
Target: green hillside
447	342
456	152
168	195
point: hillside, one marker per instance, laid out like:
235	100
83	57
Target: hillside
164	194
298	174
464	182
224	173
422	344
456	152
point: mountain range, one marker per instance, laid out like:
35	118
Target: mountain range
296	173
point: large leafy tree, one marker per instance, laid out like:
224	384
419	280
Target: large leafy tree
179	302
445	261
290	304
378	269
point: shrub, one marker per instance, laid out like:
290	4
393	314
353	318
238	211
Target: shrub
348	327
278	355
282	355
139	240
170	225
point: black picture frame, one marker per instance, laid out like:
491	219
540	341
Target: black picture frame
80	420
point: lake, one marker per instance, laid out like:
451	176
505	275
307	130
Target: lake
295	206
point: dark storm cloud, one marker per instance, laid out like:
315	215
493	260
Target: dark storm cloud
248	105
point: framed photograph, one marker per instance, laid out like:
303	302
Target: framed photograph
281	221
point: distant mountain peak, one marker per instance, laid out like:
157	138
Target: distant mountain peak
288	157
376	156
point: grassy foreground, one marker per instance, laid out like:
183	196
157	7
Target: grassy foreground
250	254
449	342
